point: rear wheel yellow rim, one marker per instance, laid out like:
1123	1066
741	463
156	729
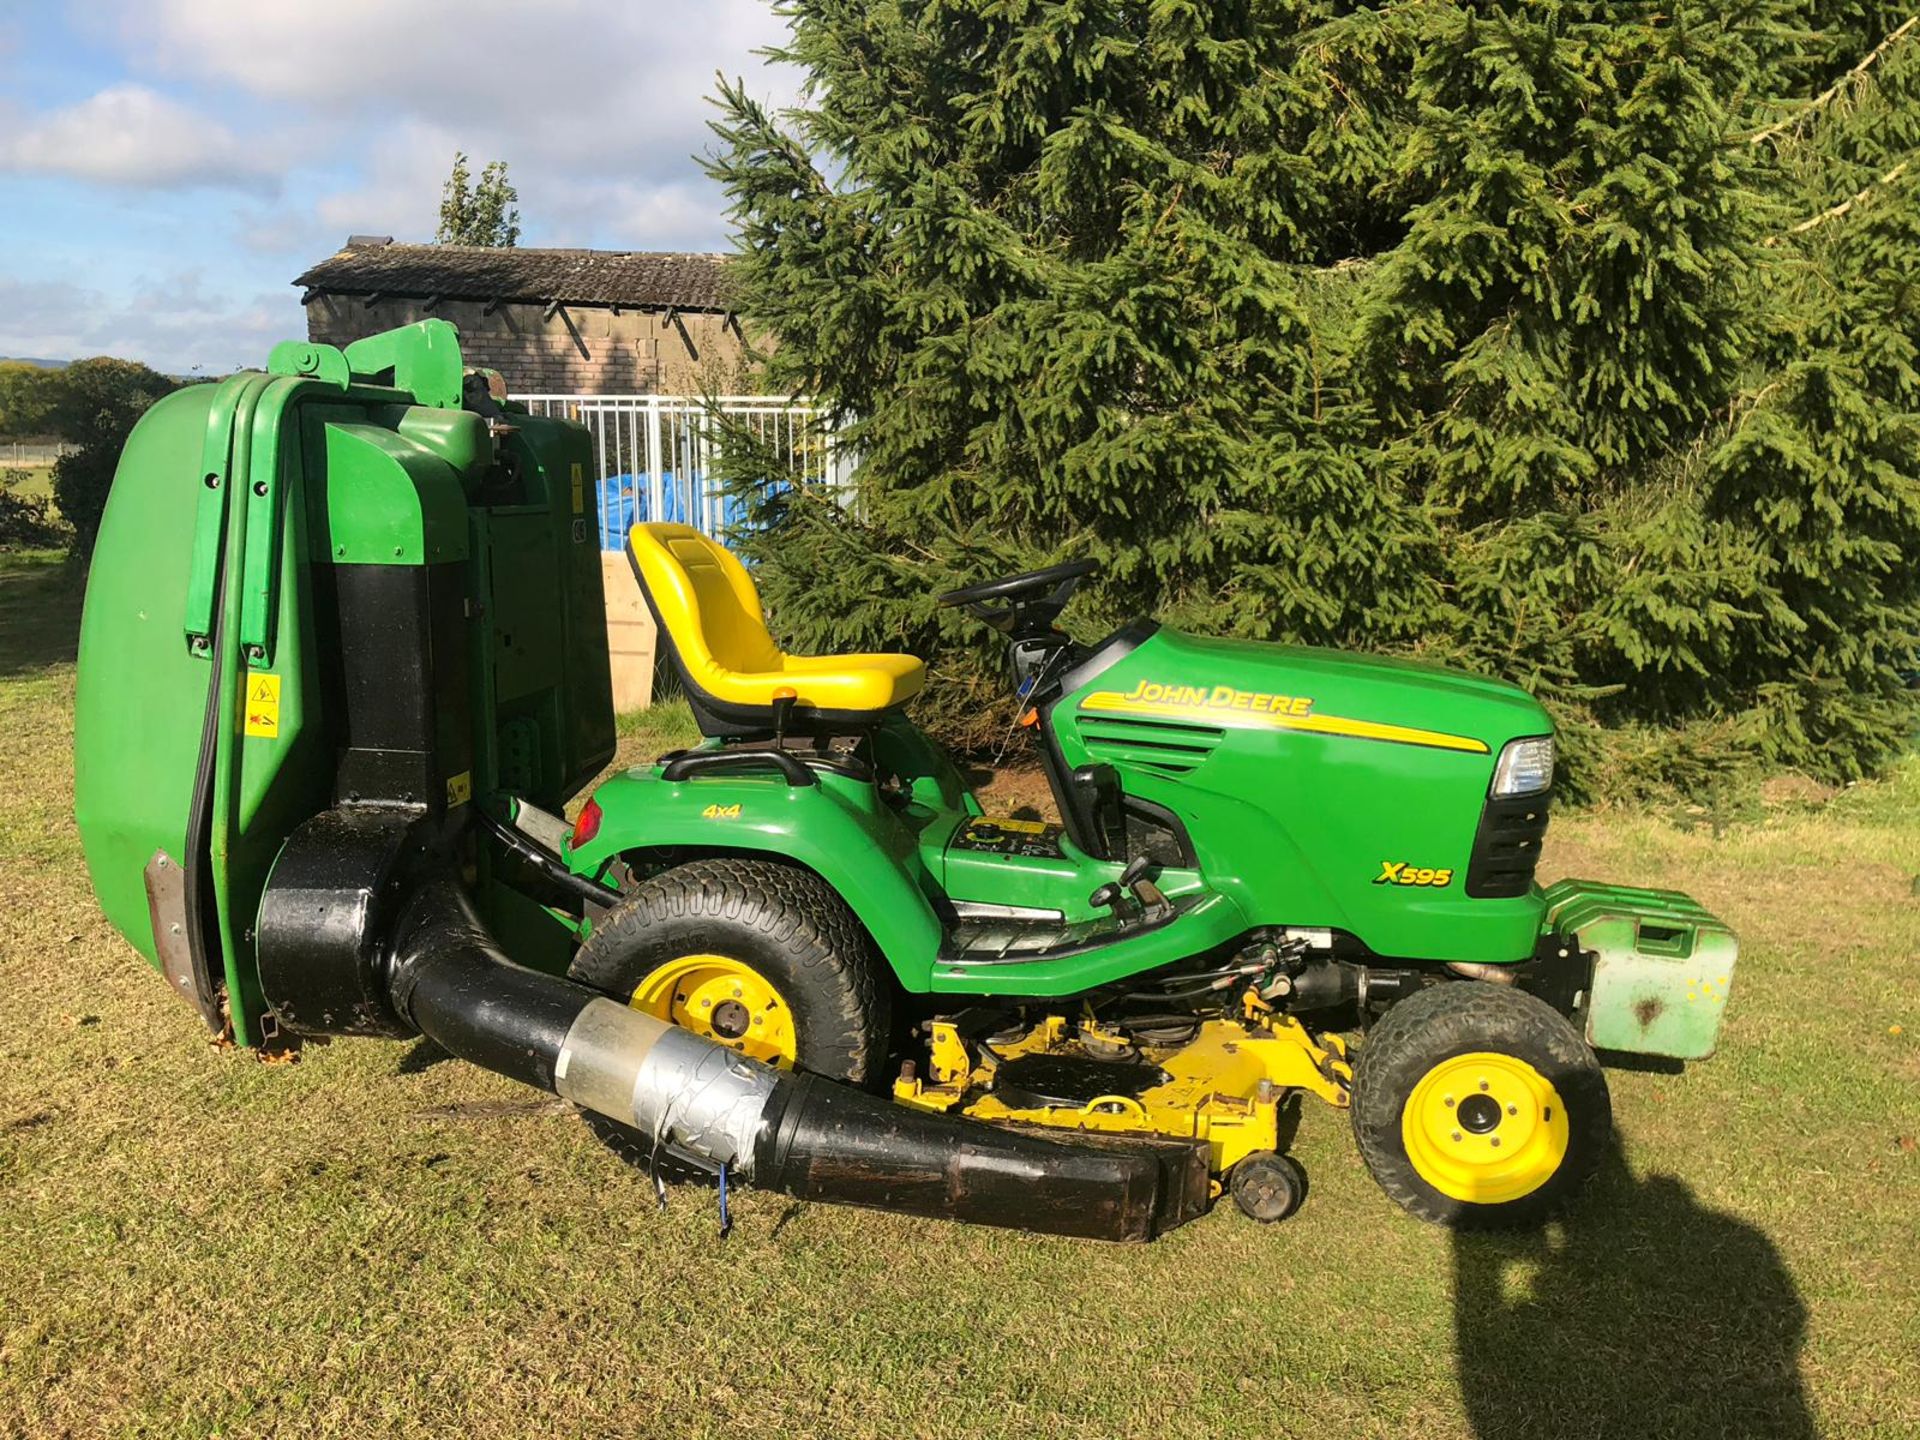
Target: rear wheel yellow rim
724	999
1485	1128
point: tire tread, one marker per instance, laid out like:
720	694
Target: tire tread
1456	1017
794	908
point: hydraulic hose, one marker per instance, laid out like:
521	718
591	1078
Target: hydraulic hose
798	1134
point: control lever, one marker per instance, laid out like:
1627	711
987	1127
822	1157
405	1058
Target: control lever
1153	900
784	699
1129	883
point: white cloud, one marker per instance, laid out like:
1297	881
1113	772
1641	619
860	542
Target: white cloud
349	123
177	323
581	81
130	135
398	191
669	216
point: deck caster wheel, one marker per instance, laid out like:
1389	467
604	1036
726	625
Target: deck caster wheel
1267	1187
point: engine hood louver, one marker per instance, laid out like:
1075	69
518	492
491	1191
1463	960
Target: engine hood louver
1172	747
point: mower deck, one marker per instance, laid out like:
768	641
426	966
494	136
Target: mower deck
1224	1084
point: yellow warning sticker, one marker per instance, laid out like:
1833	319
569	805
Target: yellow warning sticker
460	788
1013	826
579	489
263	706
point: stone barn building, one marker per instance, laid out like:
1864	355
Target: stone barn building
567	322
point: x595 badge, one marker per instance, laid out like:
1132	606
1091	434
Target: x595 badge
1401	872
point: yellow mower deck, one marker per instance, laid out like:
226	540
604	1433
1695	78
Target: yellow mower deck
1225	1085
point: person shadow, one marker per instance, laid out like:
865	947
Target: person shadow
1643	1314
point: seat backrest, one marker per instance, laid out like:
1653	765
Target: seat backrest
706	602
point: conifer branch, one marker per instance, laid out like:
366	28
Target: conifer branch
1834	212
1825	97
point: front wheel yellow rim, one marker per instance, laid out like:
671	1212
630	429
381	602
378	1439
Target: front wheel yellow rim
1485	1128
724	999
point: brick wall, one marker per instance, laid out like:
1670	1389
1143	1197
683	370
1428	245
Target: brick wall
634	352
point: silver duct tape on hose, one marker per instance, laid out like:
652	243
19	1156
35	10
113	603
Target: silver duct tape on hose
670	1083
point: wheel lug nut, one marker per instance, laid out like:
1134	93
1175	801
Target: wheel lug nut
1483	1084
1495	1140
1513	1109
1456	1135
1449	1102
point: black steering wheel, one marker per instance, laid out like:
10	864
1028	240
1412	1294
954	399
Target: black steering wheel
1023	603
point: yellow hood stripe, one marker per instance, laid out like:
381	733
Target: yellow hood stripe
1113	702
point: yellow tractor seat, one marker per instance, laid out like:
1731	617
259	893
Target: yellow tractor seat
709	616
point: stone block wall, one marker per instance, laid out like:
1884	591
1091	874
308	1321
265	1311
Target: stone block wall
576	350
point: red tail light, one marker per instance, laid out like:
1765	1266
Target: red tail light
586	827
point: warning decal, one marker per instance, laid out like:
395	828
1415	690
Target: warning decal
579	489
263	706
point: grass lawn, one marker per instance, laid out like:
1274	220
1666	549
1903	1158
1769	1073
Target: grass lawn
374	1242
35	481
27	480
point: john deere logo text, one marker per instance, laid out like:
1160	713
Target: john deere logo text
1224	707
1399	872
1220	697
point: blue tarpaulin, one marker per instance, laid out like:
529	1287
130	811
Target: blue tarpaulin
624	503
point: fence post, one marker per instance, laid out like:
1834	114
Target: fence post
656	486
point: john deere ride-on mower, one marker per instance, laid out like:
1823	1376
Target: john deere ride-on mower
344	664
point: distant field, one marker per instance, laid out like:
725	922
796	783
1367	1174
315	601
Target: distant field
377	1241
38	479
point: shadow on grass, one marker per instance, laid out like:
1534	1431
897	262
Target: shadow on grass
40	595
1647	1314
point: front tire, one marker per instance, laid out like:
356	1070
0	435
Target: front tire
1476	1105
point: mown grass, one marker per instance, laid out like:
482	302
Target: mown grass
374	1242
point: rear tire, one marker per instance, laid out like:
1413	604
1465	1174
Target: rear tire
793	933
783	925
1478	1106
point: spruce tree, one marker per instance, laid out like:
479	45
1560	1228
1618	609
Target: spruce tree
1055	287
1571	342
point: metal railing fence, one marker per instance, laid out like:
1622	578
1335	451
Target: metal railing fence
18	454
655	454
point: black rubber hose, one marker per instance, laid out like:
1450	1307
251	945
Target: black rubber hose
448	977
822	1141
799	1134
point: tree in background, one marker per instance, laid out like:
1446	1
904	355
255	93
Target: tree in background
26	399
1496	335
483	212
27	521
95	407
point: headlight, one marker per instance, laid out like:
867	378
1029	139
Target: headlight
1525	768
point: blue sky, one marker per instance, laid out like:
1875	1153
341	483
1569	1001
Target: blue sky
168	166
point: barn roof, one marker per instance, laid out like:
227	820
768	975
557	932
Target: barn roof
374	265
